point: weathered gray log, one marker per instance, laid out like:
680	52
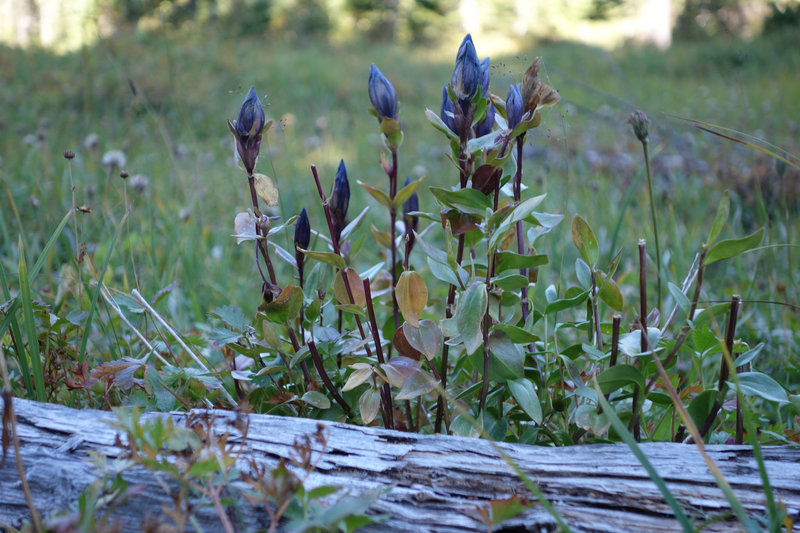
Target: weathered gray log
435	483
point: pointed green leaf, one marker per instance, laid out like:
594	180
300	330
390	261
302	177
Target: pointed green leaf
325	257
316	399
285	306
585	241
618	376
508	260
378	194
468	201
405	193
427	338
722	217
469	315
733	247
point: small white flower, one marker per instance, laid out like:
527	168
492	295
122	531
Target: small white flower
139	183
114	159
92	141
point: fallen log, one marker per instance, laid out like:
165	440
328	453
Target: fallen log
432	482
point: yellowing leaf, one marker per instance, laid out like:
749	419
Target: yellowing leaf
412	296
356	288
266	189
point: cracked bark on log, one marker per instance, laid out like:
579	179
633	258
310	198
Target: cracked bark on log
437	483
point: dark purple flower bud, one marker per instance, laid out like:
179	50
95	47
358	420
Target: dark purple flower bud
411	221
302	231
251	116
514	107
485	126
302	238
339	200
638	120
466	74
485	77
446	114
247	129
382	94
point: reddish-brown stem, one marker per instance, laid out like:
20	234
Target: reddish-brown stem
614	340
386	393
326	380
637	390
337	251
595	314
724	366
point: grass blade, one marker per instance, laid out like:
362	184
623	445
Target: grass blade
622	431
11	322
96	294
26	297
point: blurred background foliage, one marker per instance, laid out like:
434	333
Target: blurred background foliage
69	25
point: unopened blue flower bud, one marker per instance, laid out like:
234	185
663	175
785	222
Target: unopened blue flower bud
382	93
485	77
412	221
339	200
514	106
247	129
466	74
485	125
446	113
302	231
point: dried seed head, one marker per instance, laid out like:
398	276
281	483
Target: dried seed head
123	174
69	154
638	120
535	93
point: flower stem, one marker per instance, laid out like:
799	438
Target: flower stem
655	222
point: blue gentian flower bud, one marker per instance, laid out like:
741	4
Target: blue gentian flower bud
514	106
302	238
302	231
339	200
466	74
247	129
447	107
485	126
409	206
382	94
485	77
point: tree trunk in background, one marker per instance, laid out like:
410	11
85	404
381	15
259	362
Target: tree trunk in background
433	483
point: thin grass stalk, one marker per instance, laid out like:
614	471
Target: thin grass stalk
26	295
655	221
722	483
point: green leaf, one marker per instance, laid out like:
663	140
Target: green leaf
510	281
680	299
700	406
516	334
525	395
204	468
231	315
442	272
507	358
468	201
325	257
352	226
469	315
316	399
437	122
285	306
733	247
618	376
609	291
722	217
585	241
763	386
378	194
480	144
566	303
356	288
520	212
405	193
508	260
749	355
